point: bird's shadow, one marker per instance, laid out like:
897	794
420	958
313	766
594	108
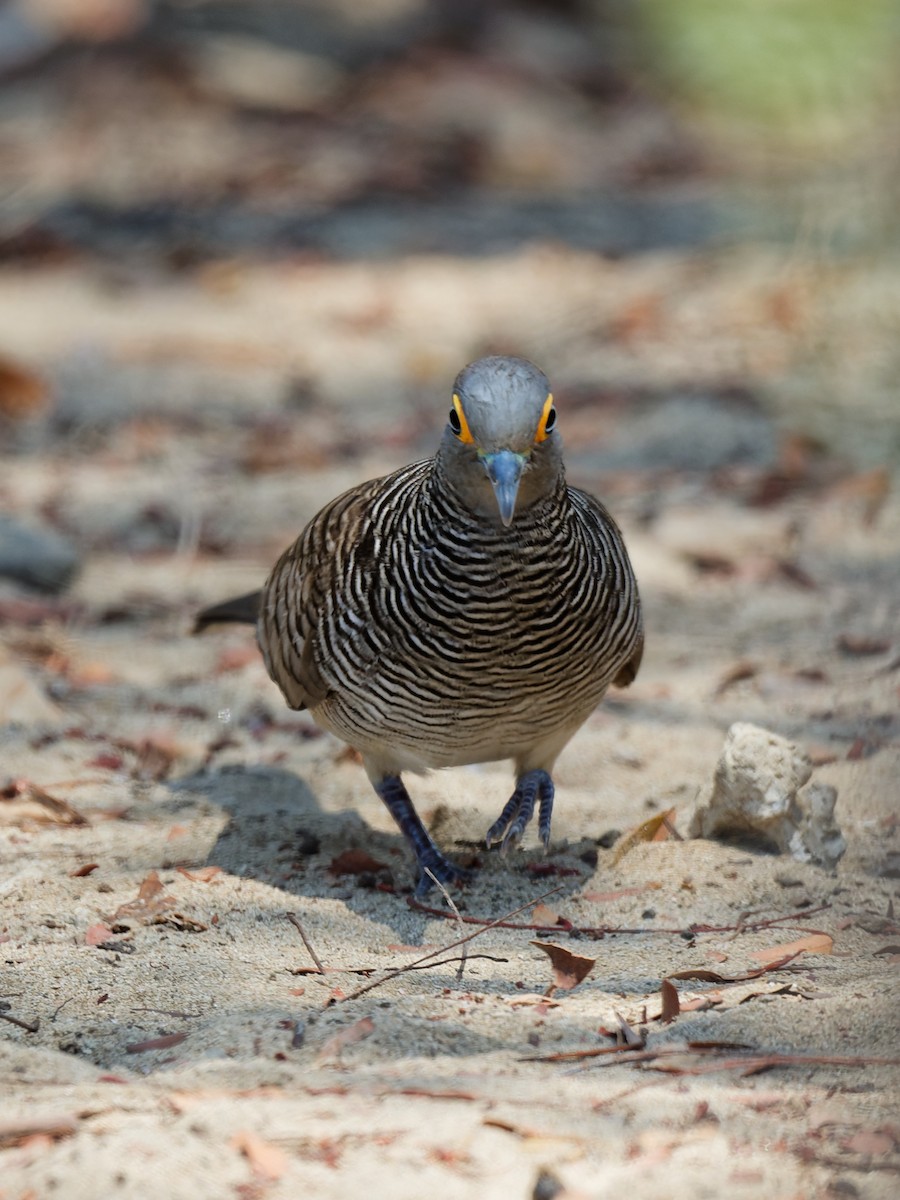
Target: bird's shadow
277	833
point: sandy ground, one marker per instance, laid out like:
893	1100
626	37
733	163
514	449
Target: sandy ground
179	756
218	308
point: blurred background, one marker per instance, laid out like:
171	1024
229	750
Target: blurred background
245	245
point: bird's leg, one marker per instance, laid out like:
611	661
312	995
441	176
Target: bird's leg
534	787
400	806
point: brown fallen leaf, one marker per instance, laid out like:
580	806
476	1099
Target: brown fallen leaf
267	1162
179	921
568	969
657	828
529	1132
151	902
705	975
159	1043
22	392
107	762
870	1141
850	643
812	943
355	862
606	897
97	935
155	757
235	658
360	1029
532	1000
86	869
737	673
17	1131
671	1005
23	803
868	489
200	874
542	914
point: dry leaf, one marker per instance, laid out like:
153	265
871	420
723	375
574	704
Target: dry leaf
870	1141
97	935
22	393
605	897
542	914
179	921
80	872
532	1000
849	643
568	969
200	874
151	901
355	862
737	673
266	1161
812	943
107	762
154	759
671	1005
159	1043
360	1029
14	1132
655	829
869	489
235	658
23	803
705	975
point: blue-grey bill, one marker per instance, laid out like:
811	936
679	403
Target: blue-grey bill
504	470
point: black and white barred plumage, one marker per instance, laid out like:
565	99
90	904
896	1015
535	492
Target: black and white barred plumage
421	621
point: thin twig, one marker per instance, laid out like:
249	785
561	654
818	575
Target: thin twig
602	931
59	1009
167	1012
29	1026
450	901
755	1060
450	945
295	921
462	958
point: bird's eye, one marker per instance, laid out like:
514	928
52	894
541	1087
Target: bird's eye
458	422
548	420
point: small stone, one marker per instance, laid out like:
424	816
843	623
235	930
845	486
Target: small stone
36	556
757	799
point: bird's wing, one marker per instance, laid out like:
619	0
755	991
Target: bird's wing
629	634
307	577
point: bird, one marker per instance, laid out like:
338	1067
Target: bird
469	608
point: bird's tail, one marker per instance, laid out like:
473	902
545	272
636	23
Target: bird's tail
242	610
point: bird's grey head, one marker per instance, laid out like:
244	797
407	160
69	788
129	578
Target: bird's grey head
500	450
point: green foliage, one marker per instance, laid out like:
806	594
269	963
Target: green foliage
809	69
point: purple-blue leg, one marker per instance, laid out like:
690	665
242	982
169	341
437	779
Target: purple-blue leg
532	788
400	806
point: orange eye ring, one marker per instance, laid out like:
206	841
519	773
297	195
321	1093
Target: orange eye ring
463	433
547	421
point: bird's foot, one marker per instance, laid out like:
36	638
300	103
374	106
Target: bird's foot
532	788
440	869
428	857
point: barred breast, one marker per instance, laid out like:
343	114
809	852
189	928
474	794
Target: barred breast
427	636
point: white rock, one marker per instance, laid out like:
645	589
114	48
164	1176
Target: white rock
757	797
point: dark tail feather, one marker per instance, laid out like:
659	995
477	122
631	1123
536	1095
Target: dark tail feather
242	610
